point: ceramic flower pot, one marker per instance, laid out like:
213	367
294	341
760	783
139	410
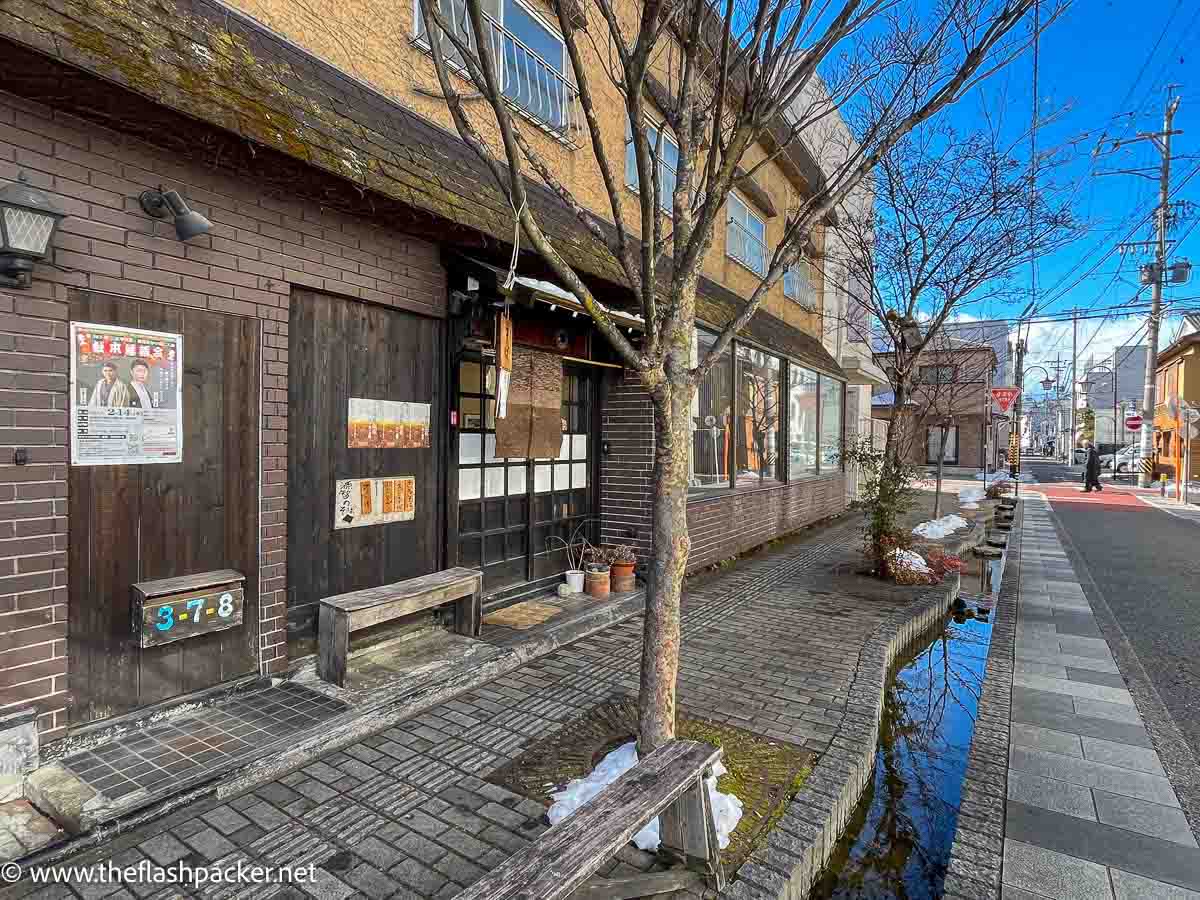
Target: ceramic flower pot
596	581
575	580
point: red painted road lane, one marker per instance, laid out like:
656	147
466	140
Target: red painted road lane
1073	493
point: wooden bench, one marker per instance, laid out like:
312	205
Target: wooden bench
347	613
670	782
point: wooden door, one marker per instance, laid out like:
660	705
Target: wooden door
515	514
339	349
138	523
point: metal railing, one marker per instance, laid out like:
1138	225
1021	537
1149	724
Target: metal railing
744	246
533	87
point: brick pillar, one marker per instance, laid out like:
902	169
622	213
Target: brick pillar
628	428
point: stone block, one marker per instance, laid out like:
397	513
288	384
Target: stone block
18	752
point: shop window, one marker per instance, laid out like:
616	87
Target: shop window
759	421
802	422
712	435
832	396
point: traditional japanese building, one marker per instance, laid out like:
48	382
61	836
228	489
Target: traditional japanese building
308	265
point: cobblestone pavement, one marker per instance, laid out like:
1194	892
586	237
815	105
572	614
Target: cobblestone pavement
1090	811
406	813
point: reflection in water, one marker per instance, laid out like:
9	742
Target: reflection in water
897	843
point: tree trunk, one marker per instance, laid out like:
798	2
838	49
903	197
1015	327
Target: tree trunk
660	641
937	493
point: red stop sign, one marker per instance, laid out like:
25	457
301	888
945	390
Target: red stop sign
1133	423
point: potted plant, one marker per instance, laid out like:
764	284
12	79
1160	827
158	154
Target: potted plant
597	570
622	559
577	548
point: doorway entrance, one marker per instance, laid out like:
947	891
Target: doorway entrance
135	523
344	352
515	514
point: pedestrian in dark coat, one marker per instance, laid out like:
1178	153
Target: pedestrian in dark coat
1091	468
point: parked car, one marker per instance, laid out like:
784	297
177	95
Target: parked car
1080	456
1127	460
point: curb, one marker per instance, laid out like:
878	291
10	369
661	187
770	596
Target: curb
804	839
977	854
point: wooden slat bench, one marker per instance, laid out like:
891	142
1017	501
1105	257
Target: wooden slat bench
346	613
670	782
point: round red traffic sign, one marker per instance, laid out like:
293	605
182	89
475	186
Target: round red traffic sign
1133	423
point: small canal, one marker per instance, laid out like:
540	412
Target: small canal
897	843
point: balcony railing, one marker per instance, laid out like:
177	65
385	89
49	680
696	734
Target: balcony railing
743	245
533	87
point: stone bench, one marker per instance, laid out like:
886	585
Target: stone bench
344	614
668	782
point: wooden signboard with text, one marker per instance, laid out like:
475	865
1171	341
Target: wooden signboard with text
172	609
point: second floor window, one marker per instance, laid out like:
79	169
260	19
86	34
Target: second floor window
745	236
530	57
938	374
798	284
668	163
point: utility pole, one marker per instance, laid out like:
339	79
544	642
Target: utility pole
1160	269
1074	382
1155	273
1014	439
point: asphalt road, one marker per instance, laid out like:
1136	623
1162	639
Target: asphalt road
1146	563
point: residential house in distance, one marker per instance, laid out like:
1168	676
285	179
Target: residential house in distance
1130	366
339	297
1177	429
949	411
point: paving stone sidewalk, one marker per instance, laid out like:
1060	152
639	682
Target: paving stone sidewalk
1090	813
767	646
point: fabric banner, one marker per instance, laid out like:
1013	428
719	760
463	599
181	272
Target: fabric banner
532	427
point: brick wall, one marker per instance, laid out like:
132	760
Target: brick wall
259	247
628	428
720	525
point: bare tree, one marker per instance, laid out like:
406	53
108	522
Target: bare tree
725	77
955	216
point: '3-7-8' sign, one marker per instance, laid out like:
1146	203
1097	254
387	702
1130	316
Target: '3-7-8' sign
184	615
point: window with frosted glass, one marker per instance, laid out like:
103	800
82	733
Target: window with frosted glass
759	396
802	422
711	421
832	394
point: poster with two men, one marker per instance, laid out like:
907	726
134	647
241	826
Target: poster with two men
126	396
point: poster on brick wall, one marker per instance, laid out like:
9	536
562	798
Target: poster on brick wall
126	396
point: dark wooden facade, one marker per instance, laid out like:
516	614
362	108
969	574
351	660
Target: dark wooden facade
130	524
338	349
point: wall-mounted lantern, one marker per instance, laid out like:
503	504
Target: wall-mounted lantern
28	222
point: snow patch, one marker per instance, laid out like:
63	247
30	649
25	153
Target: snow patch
940	528
911	560
727	809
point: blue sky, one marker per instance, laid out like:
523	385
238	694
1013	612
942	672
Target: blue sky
1090	62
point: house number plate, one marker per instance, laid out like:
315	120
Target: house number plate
177	616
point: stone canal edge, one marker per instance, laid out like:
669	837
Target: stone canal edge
804	839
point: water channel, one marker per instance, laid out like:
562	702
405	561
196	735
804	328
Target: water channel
897	843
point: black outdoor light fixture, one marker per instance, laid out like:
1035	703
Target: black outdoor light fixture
28	221
188	222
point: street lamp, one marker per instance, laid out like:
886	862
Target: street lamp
1086	385
28	220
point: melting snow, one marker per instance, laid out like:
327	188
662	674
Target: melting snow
940	528
727	809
